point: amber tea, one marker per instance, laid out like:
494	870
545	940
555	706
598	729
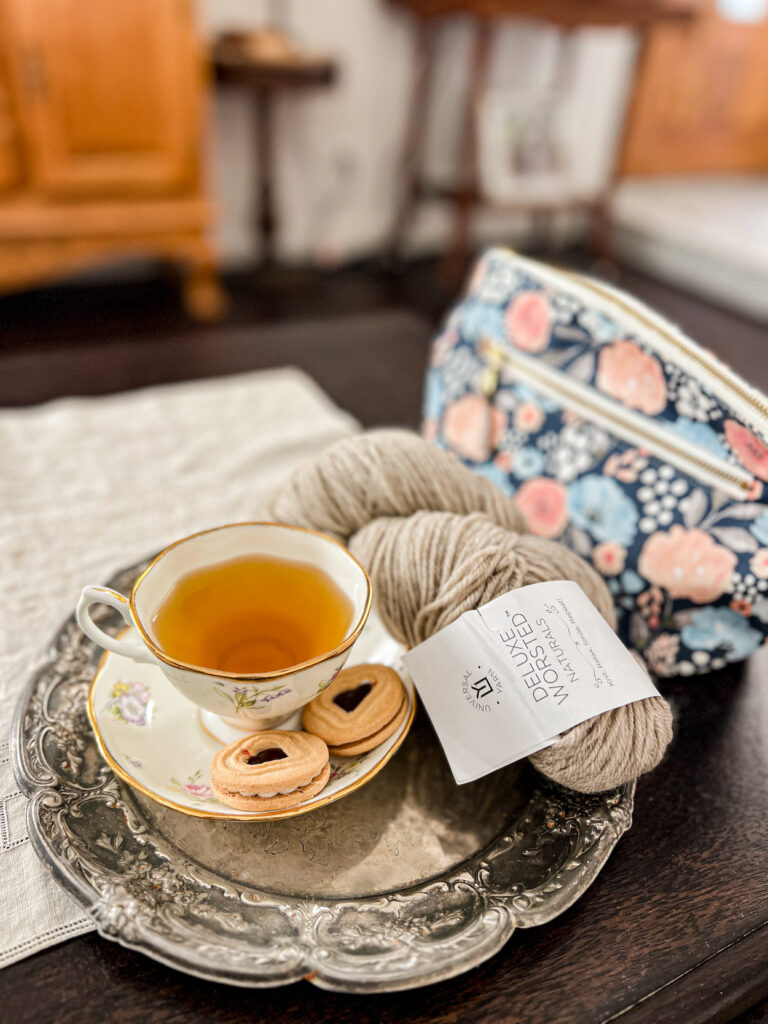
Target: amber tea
254	614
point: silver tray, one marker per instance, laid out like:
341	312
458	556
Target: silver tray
407	881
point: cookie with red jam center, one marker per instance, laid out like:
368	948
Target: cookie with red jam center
270	770
362	707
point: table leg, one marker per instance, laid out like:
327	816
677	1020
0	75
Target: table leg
455	261
265	219
602	238
409	185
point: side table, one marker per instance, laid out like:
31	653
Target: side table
234	65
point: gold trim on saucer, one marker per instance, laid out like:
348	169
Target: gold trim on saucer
254	676
288	812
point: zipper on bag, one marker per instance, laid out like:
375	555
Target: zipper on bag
722	381
621	422
667	341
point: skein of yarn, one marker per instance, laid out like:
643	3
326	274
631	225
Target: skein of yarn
431	567
437	540
384	473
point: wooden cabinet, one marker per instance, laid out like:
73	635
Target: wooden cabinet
101	106
702	99
9	141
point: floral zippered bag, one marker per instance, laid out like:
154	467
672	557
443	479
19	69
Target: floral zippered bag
623	439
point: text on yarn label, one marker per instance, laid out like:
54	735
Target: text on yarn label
506	679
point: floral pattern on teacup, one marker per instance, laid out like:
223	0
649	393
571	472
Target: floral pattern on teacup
245	697
131	702
325	683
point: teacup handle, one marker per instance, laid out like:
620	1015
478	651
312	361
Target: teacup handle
134	649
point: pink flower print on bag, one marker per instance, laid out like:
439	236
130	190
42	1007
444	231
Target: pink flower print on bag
528	321
627	373
609	557
529	417
750	451
473	428
544	503
687	563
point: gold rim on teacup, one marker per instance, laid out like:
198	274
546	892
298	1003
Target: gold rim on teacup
158	652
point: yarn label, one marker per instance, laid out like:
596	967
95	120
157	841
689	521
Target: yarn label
506	679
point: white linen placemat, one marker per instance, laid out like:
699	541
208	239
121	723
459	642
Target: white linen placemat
90	485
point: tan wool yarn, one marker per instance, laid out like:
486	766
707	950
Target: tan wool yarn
384	473
438	540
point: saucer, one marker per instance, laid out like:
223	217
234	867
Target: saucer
152	736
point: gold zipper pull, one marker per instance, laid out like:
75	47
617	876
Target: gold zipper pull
494	358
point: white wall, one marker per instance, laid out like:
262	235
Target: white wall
337	149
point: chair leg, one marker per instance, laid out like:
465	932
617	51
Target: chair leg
265	218
455	262
602	234
409	185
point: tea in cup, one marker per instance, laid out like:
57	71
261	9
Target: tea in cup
249	621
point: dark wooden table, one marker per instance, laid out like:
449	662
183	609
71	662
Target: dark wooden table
675	928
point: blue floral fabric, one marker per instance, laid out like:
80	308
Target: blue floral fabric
687	564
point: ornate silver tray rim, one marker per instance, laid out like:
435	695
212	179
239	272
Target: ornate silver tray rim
146	893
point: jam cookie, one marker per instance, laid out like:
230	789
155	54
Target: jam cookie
361	708
270	770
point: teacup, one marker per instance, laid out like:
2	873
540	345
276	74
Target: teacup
228	699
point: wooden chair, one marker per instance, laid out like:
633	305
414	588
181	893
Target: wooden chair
465	193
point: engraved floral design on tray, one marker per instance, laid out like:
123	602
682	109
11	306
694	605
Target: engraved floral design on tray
408	880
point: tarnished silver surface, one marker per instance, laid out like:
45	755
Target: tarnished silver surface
409	880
